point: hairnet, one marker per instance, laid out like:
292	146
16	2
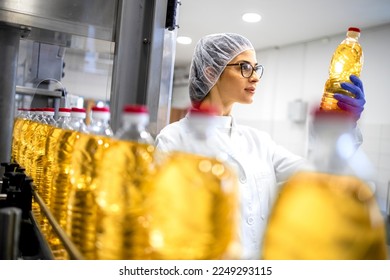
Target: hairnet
211	55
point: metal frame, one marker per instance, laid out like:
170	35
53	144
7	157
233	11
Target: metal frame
138	58
144	50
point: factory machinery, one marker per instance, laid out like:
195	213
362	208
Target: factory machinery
144	34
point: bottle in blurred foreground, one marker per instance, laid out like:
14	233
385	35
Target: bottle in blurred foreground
193	204
328	212
126	166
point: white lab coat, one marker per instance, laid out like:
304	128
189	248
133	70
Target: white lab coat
262	167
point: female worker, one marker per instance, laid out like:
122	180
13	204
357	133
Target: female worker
225	71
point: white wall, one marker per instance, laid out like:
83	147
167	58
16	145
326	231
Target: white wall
300	71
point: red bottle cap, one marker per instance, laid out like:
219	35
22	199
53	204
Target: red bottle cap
133	108
355	29
100	109
78	110
64	110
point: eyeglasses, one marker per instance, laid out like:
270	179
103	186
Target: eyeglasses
247	69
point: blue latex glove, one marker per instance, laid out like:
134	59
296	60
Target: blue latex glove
355	106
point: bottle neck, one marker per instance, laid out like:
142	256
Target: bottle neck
134	126
77	123
62	120
100	127
76	120
135	131
353	35
100	122
201	139
49	119
38	116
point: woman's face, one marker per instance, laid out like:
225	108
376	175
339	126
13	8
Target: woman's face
232	86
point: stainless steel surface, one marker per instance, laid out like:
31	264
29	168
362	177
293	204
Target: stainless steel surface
89	18
144	49
159	91
163	102
138	56
71	249
45	61
9	45
10	218
38	91
40	97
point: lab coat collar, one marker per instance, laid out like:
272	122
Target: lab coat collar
225	123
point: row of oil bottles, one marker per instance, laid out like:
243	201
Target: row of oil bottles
116	196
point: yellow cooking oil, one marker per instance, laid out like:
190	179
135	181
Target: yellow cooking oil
82	216
27	148
51	149
61	171
16	138
38	164
122	231
40	158
192	208
324	216
27	156
23	142
56	183
347	60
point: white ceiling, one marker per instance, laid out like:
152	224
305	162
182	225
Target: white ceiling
283	21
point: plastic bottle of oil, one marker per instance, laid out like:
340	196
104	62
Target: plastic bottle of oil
82	212
193	202
87	161
328	211
38	160
61	167
122	232
51	148
347	60
50	169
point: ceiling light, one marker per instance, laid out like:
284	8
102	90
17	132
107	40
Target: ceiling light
184	40
251	17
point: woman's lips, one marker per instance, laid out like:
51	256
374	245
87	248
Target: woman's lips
250	89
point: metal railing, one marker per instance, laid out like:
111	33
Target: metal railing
70	248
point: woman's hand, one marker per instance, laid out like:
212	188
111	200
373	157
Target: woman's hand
353	105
